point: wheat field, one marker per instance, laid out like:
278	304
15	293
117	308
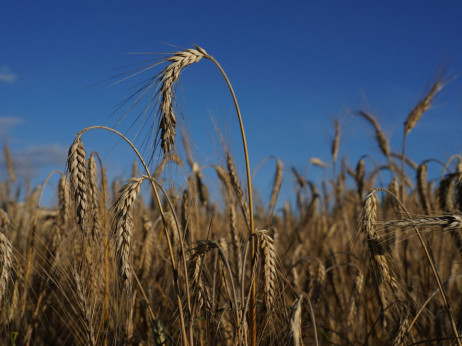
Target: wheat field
147	261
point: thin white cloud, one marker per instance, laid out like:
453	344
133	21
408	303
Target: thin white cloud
6	75
7	123
28	161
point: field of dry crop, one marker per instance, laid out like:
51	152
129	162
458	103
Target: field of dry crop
146	261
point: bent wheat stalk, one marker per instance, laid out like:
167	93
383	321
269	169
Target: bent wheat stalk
168	77
170	248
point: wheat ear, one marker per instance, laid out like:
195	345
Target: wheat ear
78	178
269	268
6	263
123	228
168	78
295	323
382	140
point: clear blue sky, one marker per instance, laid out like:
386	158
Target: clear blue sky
295	66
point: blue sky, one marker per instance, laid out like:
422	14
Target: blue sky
295	67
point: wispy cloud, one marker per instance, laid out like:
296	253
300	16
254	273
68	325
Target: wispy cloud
6	75
7	123
27	162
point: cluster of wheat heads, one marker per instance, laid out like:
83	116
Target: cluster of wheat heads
350	262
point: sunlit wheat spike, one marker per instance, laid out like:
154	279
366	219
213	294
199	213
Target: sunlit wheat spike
269	267
447	222
6	263
122	227
382	140
415	115
78	178
168	78
295	323
318	162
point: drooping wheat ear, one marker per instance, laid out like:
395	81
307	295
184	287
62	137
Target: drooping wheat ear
382	140
445	193
235	183
422	186
78	178
336	142
122	227
415	115
6	263
269	267
295	323
276	184
8	161
94	197
168	78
